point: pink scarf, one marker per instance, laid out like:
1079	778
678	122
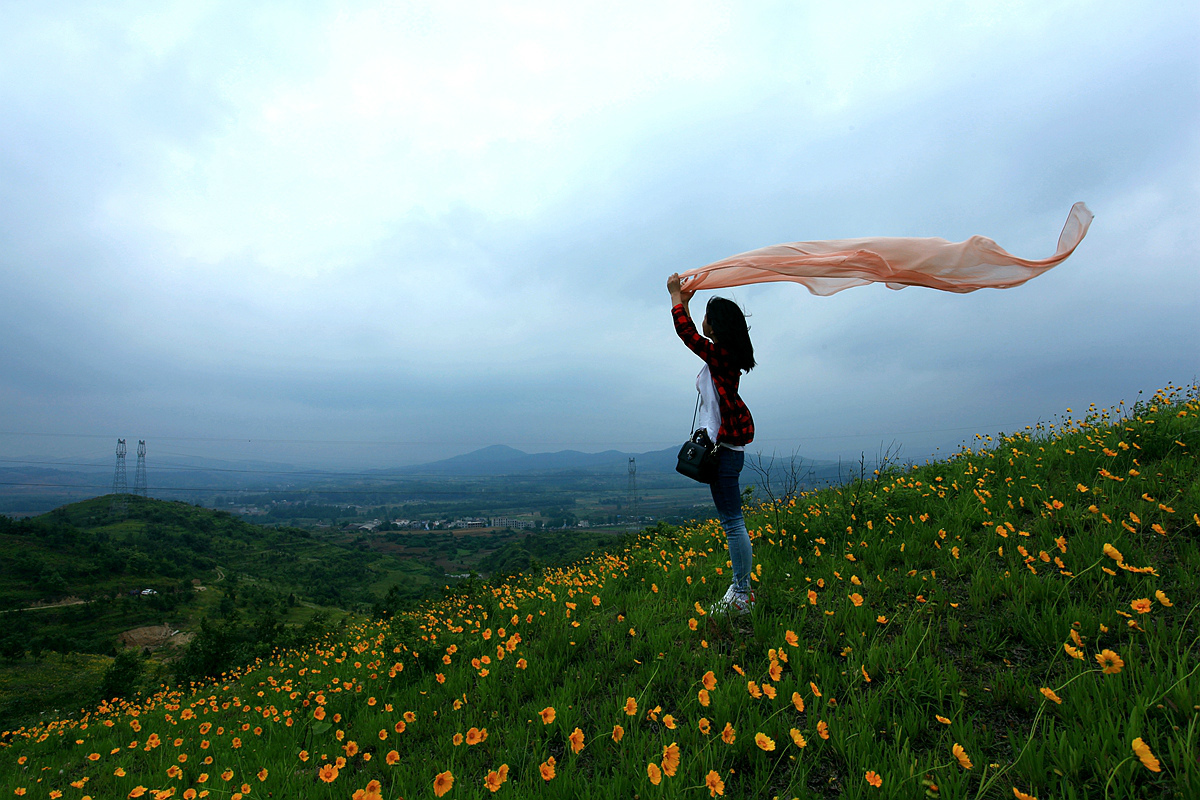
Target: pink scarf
831	266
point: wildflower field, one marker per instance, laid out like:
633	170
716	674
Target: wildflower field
1020	620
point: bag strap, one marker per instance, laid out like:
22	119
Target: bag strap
695	414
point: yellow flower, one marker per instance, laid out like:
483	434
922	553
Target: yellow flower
630	706
1072	652
764	742
1110	662
1162	598
1142	606
1142	750
753	689
576	739
547	714
728	734
791	638
714	783
654	772
857	599
963	760
941	719
670	762
547	769
493	781
798	738
443	783
1017	793
702	696
798	701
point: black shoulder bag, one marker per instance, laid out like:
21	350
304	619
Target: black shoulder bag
698	456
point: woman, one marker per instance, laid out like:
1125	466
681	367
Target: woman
726	353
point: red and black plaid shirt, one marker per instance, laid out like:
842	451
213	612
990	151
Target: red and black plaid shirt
737	426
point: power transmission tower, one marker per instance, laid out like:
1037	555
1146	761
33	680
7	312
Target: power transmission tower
139	477
120	489
633	498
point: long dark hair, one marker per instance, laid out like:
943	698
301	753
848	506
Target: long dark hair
729	327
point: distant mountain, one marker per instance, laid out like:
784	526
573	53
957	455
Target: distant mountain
504	460
501	459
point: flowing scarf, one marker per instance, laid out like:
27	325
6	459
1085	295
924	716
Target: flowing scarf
830	266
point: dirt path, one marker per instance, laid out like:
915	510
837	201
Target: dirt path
70	601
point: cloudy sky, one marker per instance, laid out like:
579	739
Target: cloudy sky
362	234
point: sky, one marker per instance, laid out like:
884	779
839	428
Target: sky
367	234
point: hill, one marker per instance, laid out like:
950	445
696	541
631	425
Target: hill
1018	620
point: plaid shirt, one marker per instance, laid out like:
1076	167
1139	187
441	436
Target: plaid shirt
737	426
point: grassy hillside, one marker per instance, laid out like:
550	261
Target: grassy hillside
1019	620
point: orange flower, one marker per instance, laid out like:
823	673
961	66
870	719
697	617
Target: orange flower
753	689
351	748
776	671
798	738
137	791
1110	662
1162	598
709	680
1017	793
547	769
399	727
964	761
714	783
702	696
618	733
319	713
856	598
704	725
655	774
328	773
1142	751
1141	606
410	716
874	779
941	719
493	781
392	758
630	706
816	692
227	775
729	734
443	783
670	759
764	742
798	701
791	638
457	739
822	729
547	714
1050	695
576	739
669	721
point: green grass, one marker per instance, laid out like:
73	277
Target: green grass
906	627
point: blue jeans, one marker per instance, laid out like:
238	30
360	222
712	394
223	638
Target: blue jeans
727	496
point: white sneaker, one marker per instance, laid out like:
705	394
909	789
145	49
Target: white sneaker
734	602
